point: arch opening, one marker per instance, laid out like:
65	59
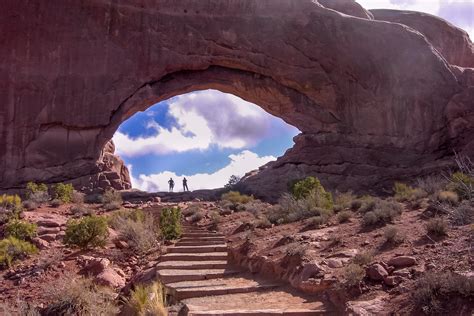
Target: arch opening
206	136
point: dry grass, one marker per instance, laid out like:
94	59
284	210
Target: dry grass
437	227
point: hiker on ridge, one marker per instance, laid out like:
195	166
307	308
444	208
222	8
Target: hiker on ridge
185	185
171	183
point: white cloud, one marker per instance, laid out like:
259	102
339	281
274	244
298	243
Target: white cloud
203	119
240	164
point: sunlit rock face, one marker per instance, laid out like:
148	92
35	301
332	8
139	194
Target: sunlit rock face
375	101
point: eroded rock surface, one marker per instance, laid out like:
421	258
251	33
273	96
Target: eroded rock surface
374	101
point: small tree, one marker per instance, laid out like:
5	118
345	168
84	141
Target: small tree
63	192
233	180
32	188
170	224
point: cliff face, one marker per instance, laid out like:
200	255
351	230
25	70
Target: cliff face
374	100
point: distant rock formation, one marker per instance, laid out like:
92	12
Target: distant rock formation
376	101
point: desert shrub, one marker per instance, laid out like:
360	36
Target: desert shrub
13	249
344	216
236	197
77	197
363	258
384	212
63	192
56	203
215	221
311	190
337	208
39	197
30	205
94	198
317	221
431	184
33	188
293	210
196	217
344	200
112	200
141	235
10	207
20	229
433	291
87	232
463	214
136	215
353	275
191	210
448	197
79	297
462	184
437	227
356	205
81	210
404	192
262	222
147	300
368	205
392	235
170	223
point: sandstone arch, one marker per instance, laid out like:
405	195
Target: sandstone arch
375	101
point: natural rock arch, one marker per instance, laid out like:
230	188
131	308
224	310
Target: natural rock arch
375	101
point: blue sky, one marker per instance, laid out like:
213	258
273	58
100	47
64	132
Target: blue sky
206	136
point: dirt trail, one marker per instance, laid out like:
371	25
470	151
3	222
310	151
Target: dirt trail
197	273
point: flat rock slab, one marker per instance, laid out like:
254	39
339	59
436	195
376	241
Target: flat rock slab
270	302
200	243
193	235
170	276
194	256
193	265
198	249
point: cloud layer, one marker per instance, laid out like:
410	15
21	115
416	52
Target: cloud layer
203	119
239	164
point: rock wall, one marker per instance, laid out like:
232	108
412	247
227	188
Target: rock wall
374	100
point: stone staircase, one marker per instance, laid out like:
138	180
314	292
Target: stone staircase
196	272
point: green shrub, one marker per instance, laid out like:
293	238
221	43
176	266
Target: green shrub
344	200
136	215
236	197
170	223
437	227
63	192
112	200
79	297
141	236
433	291
13	249
10	207
292	210
344	216
353	275
20	229
368	205
147	300
87	232
311	189
33	188
402	191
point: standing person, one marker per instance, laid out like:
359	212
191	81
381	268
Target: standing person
171	183
185	185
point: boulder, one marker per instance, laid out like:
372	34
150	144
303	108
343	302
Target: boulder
40	243
95	266
402	261
334	263
376	272
48	237
109	277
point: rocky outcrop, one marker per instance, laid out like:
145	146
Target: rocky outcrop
371	109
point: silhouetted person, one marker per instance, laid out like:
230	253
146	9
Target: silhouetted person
185	185
171	183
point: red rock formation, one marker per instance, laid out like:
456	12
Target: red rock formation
374	101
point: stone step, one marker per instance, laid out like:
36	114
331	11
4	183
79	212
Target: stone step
194	256
200	243
172	276
260	312
194	235
192	265
221	239
231	285
198	249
